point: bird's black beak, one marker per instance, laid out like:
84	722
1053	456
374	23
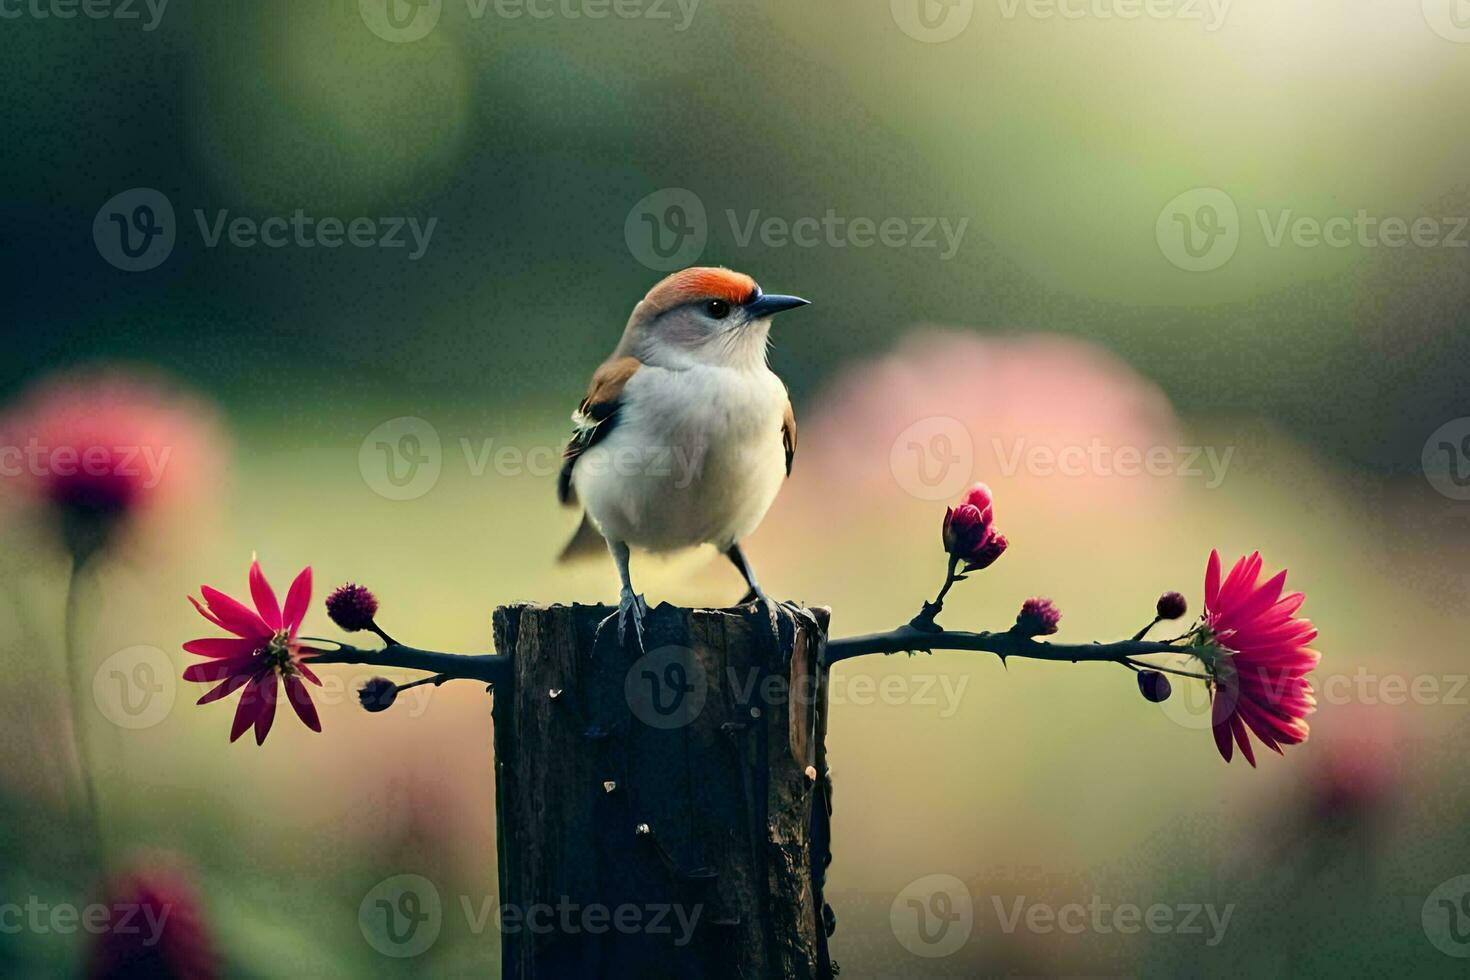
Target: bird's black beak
769	305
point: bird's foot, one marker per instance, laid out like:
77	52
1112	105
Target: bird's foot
783	626
628	621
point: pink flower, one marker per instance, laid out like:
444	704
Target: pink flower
1260	680
263	653
155	928
101	447
1038	617
969	532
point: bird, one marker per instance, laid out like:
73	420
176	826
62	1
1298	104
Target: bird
685	435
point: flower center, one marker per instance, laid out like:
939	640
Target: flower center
277	653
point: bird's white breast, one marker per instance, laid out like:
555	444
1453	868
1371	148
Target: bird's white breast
696	457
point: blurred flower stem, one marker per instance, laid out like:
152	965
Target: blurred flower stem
75	664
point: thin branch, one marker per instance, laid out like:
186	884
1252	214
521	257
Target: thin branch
1004	645
489	668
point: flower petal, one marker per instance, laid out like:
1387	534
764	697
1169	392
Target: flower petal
267	713
234	615
297	601
264	596
308	674
301	701
1258	602
222	646
1212	580
209	671
230	685
205	612
247	709
1243	740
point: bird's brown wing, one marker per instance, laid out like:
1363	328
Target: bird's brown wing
788	435
595	417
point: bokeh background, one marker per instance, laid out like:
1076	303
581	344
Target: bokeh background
1133	269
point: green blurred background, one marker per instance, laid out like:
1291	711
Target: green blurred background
1063	318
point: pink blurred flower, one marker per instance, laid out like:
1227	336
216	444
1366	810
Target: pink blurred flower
102	447
1260	683
263	652
1068	419
155	928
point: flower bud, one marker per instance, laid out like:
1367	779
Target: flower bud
986	555
1038	617
378	694
969	533
1154	686
965	529
1172	605
352	607
979	496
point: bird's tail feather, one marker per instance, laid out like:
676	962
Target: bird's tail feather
586	543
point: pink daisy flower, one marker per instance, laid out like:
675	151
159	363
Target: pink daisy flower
262	656
1259	682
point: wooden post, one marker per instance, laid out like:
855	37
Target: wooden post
663	815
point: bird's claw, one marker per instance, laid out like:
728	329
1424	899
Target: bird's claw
783	626
632	611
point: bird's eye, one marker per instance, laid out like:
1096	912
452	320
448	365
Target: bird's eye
717	308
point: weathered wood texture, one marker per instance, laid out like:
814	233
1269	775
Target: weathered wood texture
663	815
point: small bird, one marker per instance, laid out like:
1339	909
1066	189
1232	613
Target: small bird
686	434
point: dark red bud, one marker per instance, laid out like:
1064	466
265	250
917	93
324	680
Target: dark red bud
1154	686
1172	605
